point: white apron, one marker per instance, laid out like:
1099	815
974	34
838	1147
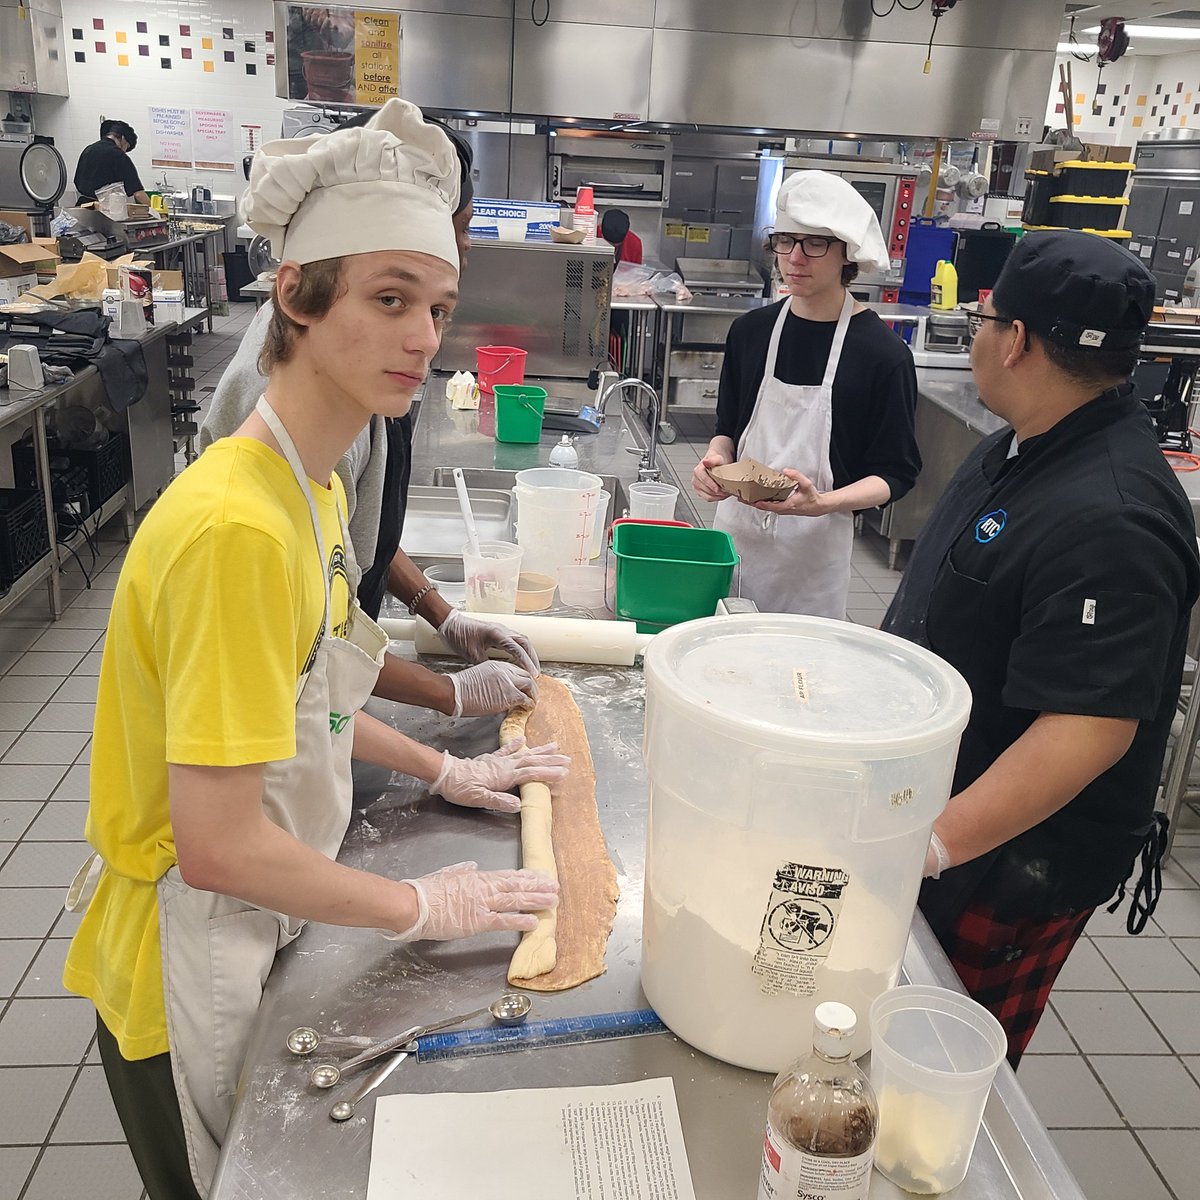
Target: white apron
791	563
217	951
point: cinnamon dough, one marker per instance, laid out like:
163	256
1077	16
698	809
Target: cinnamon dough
560	834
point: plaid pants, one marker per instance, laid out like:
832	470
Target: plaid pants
1010	968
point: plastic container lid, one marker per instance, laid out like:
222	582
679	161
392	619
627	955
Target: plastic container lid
808	685
1119	201
833	1028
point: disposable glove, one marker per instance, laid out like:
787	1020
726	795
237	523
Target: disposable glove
492	687
461	901
937	858
472	639
486	781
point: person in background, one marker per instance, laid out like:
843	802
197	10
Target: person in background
818	387
614	229
107	161
236	663
1057	574
375	473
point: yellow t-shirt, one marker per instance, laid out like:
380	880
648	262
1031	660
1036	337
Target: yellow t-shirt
216	616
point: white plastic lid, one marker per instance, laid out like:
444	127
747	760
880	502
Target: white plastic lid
808	685
833	1027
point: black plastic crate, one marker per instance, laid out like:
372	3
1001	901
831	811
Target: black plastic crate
107	466
24	538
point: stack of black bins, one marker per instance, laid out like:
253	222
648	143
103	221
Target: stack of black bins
1079	194
24	536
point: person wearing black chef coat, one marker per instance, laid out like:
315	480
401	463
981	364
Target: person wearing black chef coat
107	161
818	387
1057	573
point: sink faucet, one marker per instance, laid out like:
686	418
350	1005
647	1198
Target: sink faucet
648	471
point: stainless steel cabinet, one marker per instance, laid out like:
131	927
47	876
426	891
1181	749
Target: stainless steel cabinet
736	192
692	184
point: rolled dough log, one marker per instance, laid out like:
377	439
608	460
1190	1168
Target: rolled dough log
560	834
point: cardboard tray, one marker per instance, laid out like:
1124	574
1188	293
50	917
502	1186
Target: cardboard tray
750	480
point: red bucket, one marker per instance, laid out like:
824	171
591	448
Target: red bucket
499	364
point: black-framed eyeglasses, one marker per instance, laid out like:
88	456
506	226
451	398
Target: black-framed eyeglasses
975	322
812	246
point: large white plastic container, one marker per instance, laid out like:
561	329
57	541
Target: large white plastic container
556	515
796	766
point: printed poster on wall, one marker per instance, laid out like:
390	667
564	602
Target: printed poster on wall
215	139
342	55
170	137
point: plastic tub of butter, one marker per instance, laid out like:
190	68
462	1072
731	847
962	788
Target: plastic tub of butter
535	593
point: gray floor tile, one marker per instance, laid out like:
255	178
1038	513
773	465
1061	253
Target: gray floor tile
15	818
58	663
66	639
1109	1164
74	785
66	925
1050	1037
15	955
79	689
65	717
47	748
90	664
15	1162
1086	970
29	912
1065	1093
1102	923
1173	1151
84	618
89	1115
94	598
44	979
16	714
7	739
1187	857
28	687
1176	876
43	864
46	1032
30	1098
84	757
1107	1023
1150	964
1161	1095
1178	914
58	823
1176	1016
109	1172
18	638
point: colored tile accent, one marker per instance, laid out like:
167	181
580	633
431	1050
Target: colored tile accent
1101	88
1080	98
248	47
229	56
77	35
185	31
1111	122
100	47
1137	122
208	66
80	56
141	27
97	22
1174	110
227	32
144	51
1179	87
165	63
164	39
270	60
186	52
122	38
1078	118
122	60
1141	100
1158	89
1060	108
206	43
270	35
251	69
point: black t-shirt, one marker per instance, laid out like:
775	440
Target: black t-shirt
874	391
1060	580
102	163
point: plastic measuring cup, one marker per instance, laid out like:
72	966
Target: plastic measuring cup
934	1054
556	515
652	501
491	576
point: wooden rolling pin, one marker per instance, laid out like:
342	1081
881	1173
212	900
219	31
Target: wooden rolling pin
556	639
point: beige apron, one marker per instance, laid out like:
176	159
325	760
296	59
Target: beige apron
789	563
217	951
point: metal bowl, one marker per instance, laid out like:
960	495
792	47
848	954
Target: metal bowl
511	1009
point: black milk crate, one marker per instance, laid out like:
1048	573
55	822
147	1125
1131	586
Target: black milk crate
107	466
24	538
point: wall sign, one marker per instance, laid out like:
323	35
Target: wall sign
342	55
215	139
170	137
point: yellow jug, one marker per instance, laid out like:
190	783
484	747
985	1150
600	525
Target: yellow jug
943	287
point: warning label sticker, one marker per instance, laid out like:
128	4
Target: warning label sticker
798	927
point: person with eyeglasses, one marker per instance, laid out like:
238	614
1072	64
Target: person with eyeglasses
818	387
1057	573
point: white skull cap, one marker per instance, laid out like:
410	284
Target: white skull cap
391	185
825	205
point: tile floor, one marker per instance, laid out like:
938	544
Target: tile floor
1114	1069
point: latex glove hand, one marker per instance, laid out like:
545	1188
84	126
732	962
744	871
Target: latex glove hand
461	901
937	858
703	484
471	639
492	687
486	781
805	501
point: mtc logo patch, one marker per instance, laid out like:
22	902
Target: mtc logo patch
990	526
338	721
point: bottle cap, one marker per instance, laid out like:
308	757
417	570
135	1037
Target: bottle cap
833	1027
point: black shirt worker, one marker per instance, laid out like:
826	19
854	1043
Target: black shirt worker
107	161
1057	573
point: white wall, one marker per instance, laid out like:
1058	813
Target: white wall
104	86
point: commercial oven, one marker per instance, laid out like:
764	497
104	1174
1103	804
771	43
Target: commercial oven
620	171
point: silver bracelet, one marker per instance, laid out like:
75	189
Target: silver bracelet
416	600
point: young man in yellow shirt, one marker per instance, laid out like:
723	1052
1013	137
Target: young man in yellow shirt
237	660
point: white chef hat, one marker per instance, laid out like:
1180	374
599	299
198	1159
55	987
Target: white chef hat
822	204
391	185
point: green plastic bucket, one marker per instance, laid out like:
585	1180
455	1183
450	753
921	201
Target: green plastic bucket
667	574
519	411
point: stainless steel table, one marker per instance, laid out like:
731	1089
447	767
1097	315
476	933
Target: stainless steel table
640	335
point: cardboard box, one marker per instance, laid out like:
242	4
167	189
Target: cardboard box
168	305
12	286
1047	158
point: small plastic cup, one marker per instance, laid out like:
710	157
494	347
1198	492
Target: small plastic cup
491	576
581	587
934	1054
652	501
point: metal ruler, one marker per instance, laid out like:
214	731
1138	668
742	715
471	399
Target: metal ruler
533	1035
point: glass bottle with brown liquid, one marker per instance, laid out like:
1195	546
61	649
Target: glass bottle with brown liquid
822	1120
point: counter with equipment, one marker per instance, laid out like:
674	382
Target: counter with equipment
282	1142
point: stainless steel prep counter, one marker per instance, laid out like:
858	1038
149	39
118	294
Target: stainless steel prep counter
282	1143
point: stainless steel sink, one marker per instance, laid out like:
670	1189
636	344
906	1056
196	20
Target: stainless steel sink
494	478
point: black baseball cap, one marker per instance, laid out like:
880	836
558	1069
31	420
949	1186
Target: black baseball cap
1076	289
